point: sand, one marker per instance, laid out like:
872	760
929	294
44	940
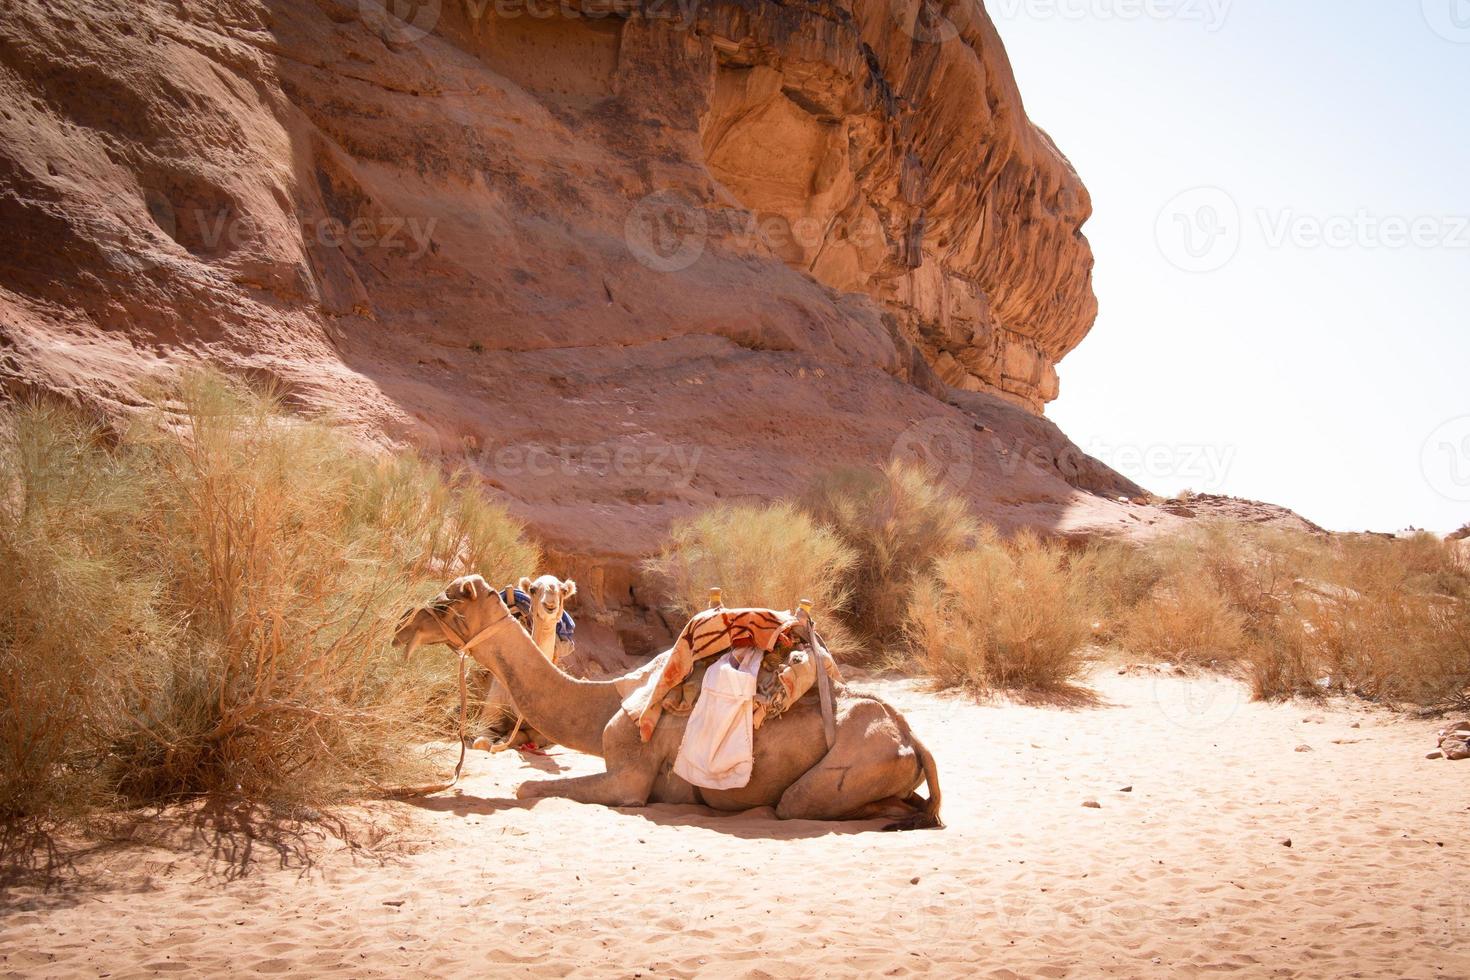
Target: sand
1189	872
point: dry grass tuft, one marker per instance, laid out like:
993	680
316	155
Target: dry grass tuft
206	606
899	522
763	555
1008	615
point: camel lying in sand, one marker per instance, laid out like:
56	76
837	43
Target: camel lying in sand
549	596
872	770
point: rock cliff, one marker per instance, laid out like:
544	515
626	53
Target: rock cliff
623	260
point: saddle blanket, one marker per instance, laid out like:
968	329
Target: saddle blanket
770	636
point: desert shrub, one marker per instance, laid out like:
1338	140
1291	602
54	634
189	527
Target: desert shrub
1296	613
78	616
1389	619
1203	596
1189	621
763	555
1001	615
1117	575
226	579
898	521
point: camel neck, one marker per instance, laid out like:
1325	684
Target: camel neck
543	634
573	712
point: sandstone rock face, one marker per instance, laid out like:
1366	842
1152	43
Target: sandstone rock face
883	148
622	262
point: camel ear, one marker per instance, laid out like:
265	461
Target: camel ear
472	587
524	584
568	589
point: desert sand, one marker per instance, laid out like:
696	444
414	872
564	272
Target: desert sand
1189	871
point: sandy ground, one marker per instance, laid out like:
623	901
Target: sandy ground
1189	872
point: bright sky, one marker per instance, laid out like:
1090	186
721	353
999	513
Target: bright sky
1299	330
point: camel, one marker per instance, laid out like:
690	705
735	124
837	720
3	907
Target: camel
872	770
549	596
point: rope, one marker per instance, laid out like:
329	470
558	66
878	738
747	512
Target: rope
462	647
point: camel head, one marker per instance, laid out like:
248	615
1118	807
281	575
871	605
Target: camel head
549	596
466	606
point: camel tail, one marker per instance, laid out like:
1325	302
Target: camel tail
927	817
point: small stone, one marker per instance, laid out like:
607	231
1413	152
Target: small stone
1355	725
1436	754
394	902
1286	843
914	880
1304	748
1126	789
1092	804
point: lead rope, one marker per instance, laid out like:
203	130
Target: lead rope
463	649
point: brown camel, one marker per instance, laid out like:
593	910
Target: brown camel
872	770
506	725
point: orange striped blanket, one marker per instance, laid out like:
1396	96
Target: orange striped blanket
710	634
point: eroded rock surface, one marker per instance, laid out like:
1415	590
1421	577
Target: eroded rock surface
623	264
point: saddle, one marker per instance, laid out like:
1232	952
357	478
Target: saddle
519	604
792	655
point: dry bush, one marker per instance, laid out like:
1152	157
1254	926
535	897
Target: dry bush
1001	615
1390	619
230	596
1188	622
1117	575
761	555
77	604
1220	592
898	521
1299	614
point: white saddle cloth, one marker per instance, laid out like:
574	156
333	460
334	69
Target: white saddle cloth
718	747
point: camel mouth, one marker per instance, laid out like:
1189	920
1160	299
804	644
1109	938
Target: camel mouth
548	607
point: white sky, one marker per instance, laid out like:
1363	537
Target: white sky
1301	332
